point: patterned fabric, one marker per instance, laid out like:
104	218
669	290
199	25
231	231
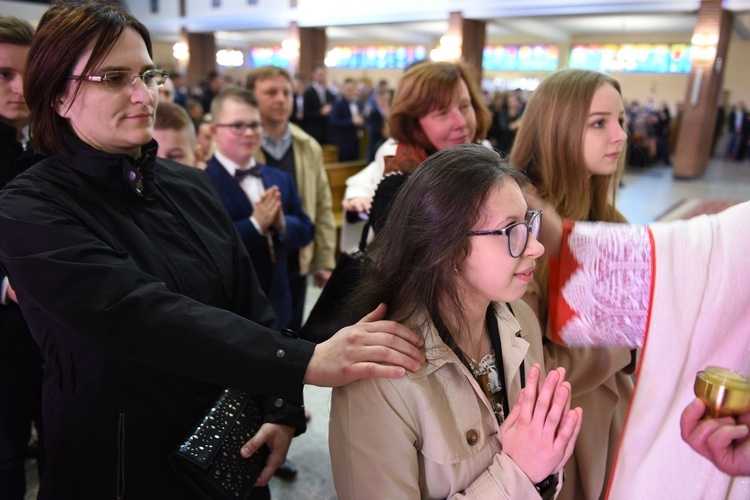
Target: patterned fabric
610	289
406	160
278	149
698	317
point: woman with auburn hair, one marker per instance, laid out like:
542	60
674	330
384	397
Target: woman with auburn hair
571	145
436	105
463	426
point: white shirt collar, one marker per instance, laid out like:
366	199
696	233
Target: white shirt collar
230	166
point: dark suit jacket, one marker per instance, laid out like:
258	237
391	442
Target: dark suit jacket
375	122
745	123
273	276
343	131
294	118
20	359
313	122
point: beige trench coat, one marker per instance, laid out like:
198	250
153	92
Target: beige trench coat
432	434
315	193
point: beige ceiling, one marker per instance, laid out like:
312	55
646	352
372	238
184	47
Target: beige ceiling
552	28
505	18
560	28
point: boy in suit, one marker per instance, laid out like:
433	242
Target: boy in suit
262	200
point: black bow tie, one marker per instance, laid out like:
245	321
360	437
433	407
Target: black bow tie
241	174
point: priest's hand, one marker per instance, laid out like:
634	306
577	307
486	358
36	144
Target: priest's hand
723	441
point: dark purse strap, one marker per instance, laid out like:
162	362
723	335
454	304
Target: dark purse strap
363	236
495	339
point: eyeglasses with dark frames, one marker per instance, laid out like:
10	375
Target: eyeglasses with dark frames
517	234
119	80
239	128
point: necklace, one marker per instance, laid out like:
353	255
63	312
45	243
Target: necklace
491	382
493	391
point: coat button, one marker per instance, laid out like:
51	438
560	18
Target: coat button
278	403
290	333
280	353
472	437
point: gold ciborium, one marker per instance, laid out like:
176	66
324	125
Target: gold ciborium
724	392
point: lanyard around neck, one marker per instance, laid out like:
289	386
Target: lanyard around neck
494	332
495	339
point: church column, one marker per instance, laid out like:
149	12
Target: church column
471	32
313	45
202	49
709	51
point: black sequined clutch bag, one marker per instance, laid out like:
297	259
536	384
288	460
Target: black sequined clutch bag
210	458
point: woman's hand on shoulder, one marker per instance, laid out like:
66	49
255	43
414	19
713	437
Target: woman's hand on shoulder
541	430
373	347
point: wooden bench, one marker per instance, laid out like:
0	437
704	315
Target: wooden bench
337	174
330	153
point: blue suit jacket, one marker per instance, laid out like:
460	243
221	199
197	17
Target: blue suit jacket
343	130
273	276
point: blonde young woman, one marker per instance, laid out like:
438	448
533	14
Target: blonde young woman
571	145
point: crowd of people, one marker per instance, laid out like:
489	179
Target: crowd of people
341	113
123	235
136	288
337	115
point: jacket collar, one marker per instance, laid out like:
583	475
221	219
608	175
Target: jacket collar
512	343
114	169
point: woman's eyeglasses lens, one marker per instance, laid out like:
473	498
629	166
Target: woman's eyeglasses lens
518	234
118	80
